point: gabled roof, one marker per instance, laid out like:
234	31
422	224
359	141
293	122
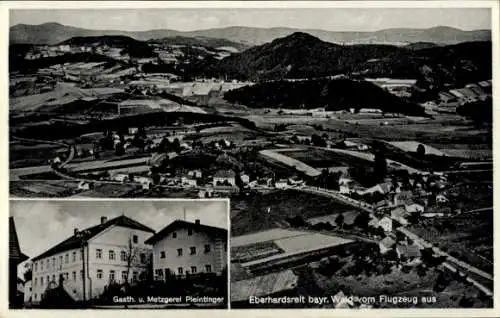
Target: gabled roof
388	242
410	251
74	242
225	174
185	225
14	248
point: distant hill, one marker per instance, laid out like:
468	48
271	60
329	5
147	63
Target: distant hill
301	55
298	55
51	33
213	43
129	45
330	94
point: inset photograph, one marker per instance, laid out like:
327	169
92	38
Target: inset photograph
118	254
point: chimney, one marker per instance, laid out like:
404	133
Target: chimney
103	219
197	222
75	231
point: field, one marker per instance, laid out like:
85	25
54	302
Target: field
411	146
46	188
467	237
320	158
249	213
290	161
24	154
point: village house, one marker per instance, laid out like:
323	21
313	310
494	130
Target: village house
345	185
189	181
224	177
197	174
245	178
441	198
83	185
402	198
113	251
281	184
409	253
386	245
400	215
183	248
414	208
386	224
383	188
16	257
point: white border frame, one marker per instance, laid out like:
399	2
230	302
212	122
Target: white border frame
4	186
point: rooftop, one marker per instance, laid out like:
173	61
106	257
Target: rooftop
185	225
88	233
410	251
14	248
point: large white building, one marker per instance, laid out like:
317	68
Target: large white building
108	252
183	248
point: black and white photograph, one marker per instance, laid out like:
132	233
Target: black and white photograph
118	254
353	141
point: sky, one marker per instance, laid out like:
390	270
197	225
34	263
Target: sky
331	19
42	224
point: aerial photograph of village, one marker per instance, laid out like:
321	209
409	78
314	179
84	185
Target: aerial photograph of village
355	145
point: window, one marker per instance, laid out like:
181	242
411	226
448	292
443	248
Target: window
41	266
66	258
134	276
99	274
98	253
174	235
190	232
53	278
143	258
192	250
179	252
41	281
74	275
48	279
60	260
36	281
111	276
48	263
123	256
66	276
207	248
53	262
162	254
124	276
159	272
36	267
180	271
111	255
135	239
208	268
74	257
193	269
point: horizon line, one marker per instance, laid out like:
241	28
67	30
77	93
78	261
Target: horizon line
252	27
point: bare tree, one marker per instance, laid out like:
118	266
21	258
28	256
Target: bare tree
130	257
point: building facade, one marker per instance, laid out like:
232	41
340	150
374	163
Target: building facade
184	248
110	252
16	257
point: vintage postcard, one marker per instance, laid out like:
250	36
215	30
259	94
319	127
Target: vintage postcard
325	155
